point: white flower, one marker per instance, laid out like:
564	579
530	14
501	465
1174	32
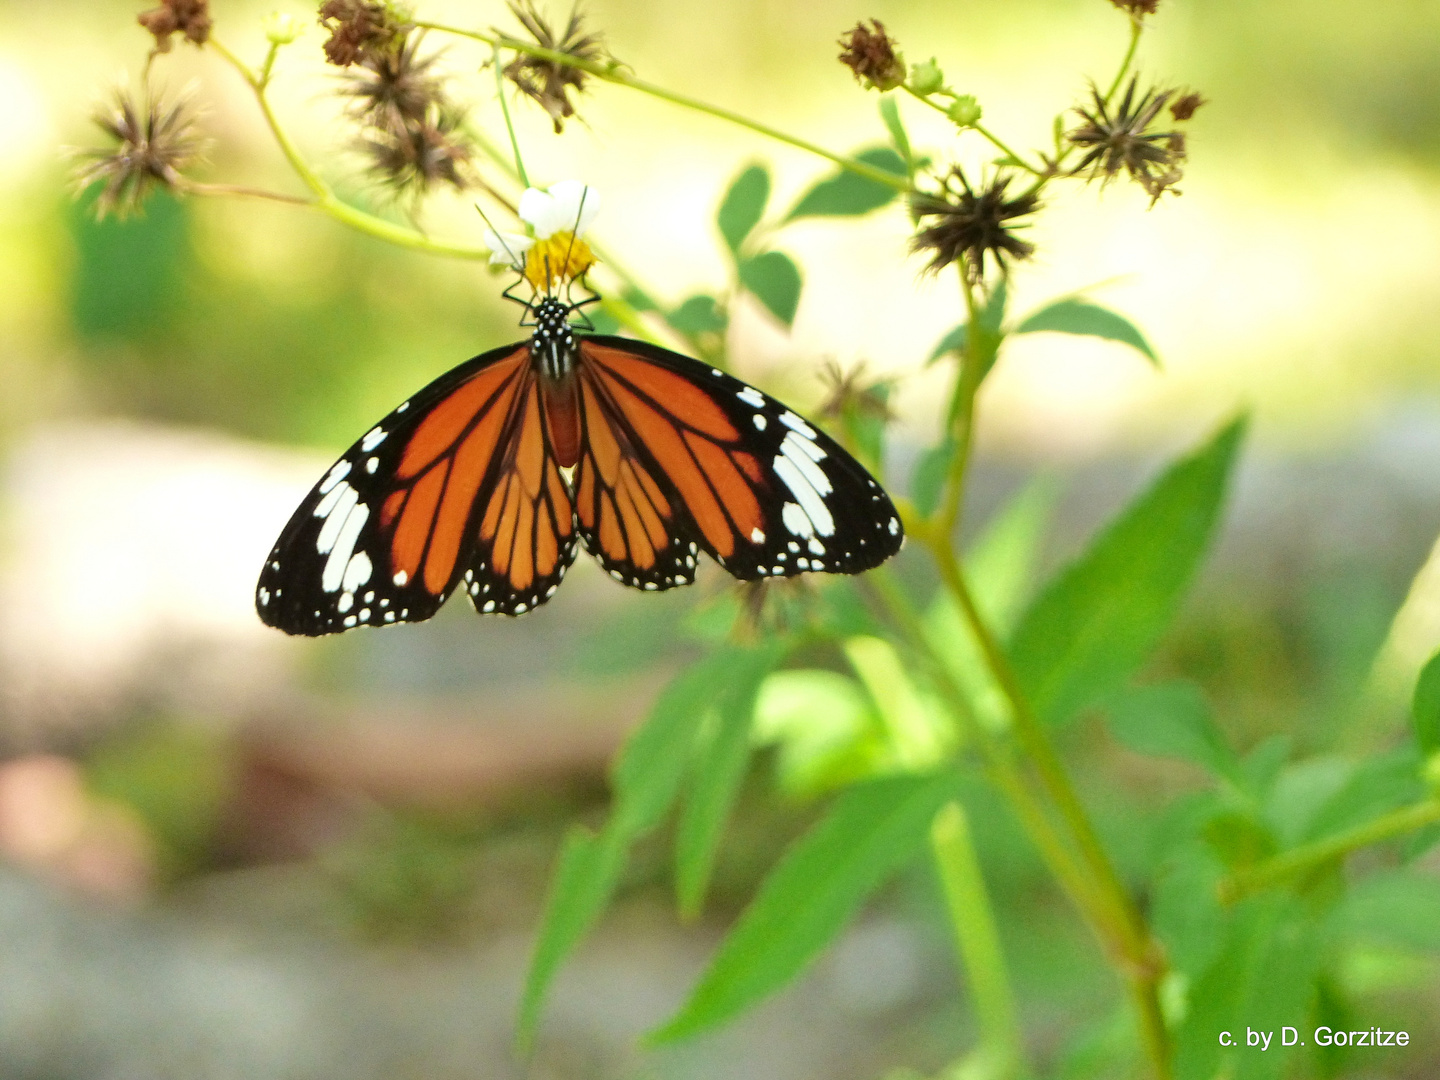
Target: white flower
568	206
509	248
564	212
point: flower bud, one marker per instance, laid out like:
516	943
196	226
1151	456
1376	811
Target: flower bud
965	111
926	77
281	28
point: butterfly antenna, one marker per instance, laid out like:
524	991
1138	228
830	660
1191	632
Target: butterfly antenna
499	236
574	231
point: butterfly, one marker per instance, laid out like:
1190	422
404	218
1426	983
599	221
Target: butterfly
489	478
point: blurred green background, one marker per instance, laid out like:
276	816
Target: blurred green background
236	855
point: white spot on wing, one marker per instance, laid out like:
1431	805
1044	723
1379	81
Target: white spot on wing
816	548
805	494
338	472
756	536
371	464
373	438
794	423
339	560
759	419
796	521
345	499
345	603
357	572
401	577
752	397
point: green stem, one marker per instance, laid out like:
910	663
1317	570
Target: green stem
325	199
1308	857
505	112
1141	956
973	922
612	73
1137	27
1000	766
983	131
974	360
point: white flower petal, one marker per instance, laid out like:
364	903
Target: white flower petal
567	206
508	248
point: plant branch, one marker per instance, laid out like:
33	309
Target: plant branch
613	73
1298	861
980	129
973	921
1137	27
325	199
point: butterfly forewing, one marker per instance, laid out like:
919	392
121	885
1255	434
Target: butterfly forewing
388	531
716	465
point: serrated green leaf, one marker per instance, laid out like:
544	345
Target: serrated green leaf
953	342
580	888
698	315
774	280
928	477
719	768
1171	720
847	194
870	831
1097	621
1425	708
646	780
743	206
1090	320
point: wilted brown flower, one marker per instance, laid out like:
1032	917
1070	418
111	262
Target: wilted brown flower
872	56
549	82
1122	140
1183	107
360	30
188	17
415	157
1137	7
154	145
972	224
395	87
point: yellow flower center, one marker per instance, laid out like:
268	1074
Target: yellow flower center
556	260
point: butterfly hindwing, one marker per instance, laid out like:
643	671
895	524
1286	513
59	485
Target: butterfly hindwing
525	526
722	467
386	534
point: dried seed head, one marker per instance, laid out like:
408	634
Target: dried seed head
360	30
1121	138
395	87
972	224
549	82
154	144
872	56
188	17
417	156
1137	8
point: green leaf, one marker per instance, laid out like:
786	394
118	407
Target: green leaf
1186	908
774	280
698	315
646	780
583	882
871	830
743	206
1377	786
992	315
890	113
824	729
1425	709
919	736
1098	620
719	768
847	194
1171	720
927	479
953	342
1091	320
1261	979
1394	907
